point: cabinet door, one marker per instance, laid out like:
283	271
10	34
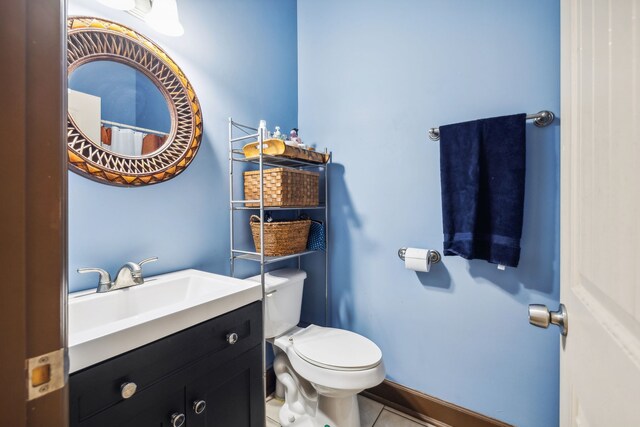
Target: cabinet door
152	407
232	392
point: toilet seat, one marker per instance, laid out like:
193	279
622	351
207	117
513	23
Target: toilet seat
328	377
336	349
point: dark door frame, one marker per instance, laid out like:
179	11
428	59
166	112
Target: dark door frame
33	215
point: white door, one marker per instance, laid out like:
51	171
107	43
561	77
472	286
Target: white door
600	210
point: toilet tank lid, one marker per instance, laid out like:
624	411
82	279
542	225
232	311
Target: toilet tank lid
278	278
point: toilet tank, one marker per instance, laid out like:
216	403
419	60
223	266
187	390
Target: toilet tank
283	300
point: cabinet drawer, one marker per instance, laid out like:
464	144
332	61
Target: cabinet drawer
98	387
152	407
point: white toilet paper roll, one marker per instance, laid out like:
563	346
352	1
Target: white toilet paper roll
416	259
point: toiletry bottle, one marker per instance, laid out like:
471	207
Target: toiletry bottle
263	128
293	138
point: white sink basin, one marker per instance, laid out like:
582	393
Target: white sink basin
105	325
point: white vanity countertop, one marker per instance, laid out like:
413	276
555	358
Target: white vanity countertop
108	324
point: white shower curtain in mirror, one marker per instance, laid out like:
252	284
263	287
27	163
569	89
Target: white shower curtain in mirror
126	141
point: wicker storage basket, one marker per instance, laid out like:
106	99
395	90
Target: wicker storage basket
281	238
282	187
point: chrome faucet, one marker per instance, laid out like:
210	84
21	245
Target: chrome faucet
129	274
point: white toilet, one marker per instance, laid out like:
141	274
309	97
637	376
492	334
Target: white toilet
322	369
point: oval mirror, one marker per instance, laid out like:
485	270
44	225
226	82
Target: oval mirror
133	118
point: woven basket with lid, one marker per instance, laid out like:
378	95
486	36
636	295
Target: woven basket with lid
282	187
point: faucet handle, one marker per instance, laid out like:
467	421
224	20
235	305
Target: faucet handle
105	278
144	261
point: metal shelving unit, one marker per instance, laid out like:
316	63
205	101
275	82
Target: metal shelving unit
263	161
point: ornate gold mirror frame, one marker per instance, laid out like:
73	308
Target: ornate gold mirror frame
91	39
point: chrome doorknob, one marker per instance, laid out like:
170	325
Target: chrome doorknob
540	316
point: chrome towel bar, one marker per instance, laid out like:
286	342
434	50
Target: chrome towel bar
540	119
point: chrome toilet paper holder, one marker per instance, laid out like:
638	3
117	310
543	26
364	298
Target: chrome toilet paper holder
434	256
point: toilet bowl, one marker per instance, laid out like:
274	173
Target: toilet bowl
322	369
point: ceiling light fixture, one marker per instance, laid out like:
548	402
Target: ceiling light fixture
164	18
119	4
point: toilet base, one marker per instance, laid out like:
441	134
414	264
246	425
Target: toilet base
334	409
308	405
331	412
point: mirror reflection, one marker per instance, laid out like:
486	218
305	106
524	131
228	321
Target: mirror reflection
119	108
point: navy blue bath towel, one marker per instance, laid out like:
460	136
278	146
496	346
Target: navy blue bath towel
482	168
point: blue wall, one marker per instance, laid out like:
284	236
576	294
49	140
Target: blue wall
227	54
373	76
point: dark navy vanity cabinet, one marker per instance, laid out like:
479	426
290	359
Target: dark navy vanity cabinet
205	376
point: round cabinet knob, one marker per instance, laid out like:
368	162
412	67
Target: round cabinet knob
232	338
127	390
177	420
199	406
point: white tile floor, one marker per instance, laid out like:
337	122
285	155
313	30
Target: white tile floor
372	414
